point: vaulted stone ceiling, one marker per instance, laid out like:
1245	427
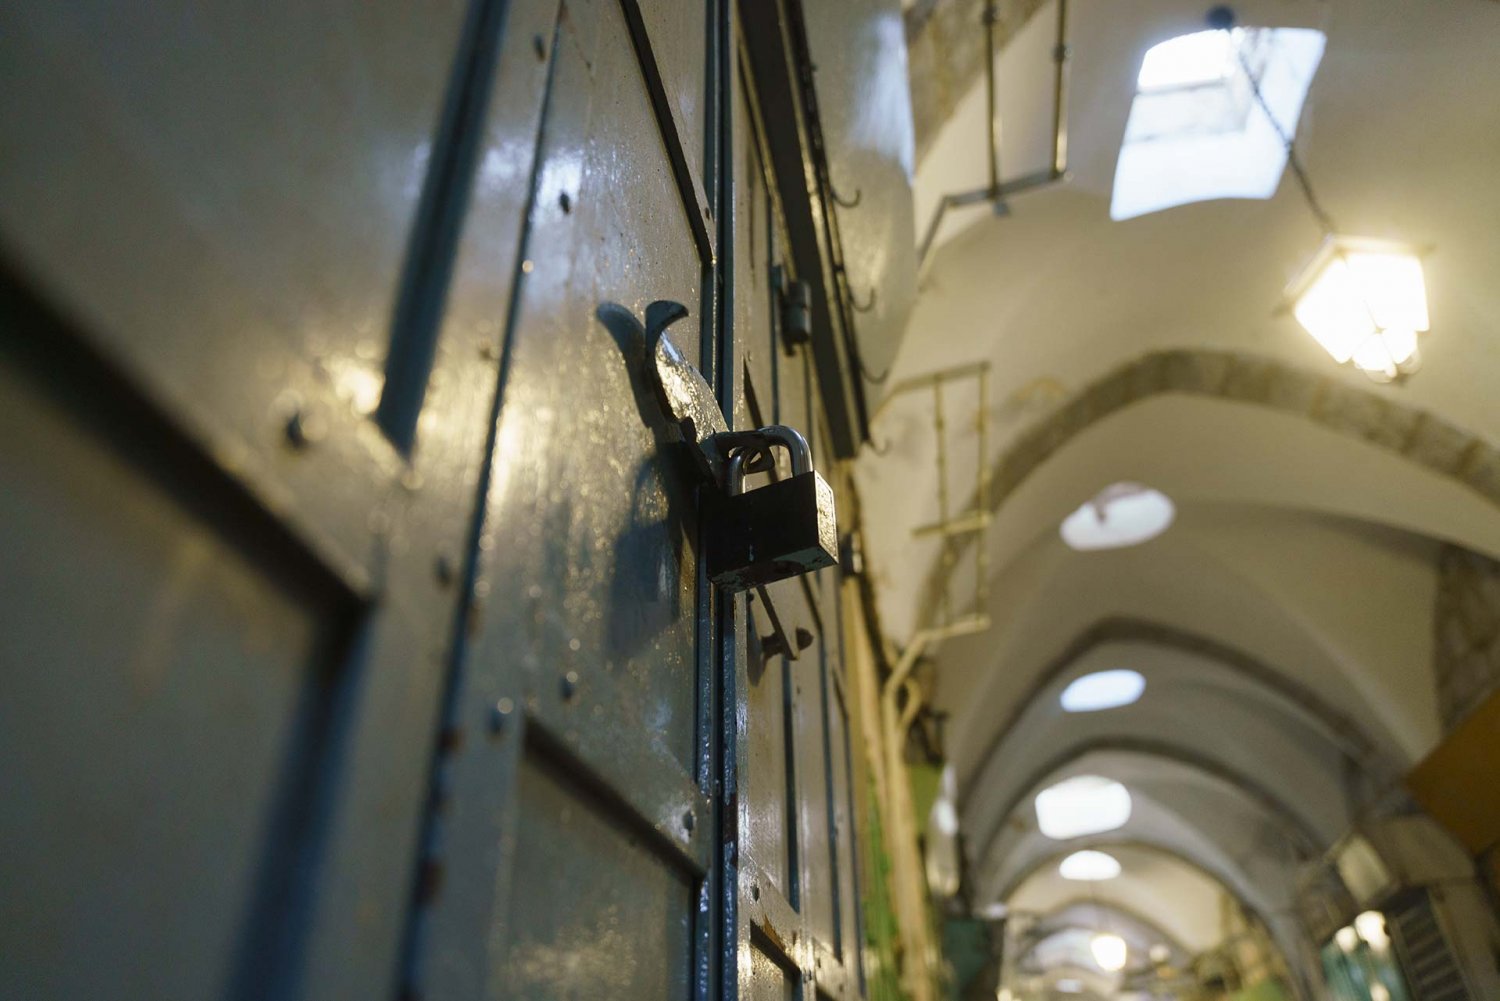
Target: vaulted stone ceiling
1285	621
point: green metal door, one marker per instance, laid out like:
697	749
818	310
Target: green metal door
354	639
574	830
230	588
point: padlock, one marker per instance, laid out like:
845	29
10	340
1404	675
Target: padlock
783	529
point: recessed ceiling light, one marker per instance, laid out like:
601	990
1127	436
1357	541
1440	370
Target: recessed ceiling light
1086	804
1124	514
1103	690
1089	866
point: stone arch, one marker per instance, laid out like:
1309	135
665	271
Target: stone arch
1295	825
1416	435
1344	729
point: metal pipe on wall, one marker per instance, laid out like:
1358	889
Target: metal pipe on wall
996	192
901	821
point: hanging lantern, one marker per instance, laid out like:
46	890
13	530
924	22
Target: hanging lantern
1365	302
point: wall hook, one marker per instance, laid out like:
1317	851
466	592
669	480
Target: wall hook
850	203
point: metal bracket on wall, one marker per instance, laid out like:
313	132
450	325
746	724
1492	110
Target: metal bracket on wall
795	316
951	526
996	192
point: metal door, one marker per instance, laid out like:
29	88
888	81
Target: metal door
571	844
354	640
800	934
247	379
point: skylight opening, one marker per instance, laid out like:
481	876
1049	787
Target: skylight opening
1204	57
1089	866
1123	514
1195	130
1103	690
1086	804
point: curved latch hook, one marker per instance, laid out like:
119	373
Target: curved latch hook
685	396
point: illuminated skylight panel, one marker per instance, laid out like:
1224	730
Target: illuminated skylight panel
1124	514
1086	804
1089	866
1103	690
1195	131
1203	57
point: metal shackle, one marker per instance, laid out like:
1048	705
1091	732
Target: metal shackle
745	443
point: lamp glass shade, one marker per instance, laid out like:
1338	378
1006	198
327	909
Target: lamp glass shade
1109	952
1365	303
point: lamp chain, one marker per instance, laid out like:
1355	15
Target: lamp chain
1289	141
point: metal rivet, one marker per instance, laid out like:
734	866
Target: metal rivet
526	267
570	685
565	202
754	891
539	45
687	821
500	714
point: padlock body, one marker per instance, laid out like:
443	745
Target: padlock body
780	530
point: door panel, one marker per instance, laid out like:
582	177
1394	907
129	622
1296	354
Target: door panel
770	838
222	195
144	747
208	211
588	895
573	835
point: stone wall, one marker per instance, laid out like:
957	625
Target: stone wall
1466	625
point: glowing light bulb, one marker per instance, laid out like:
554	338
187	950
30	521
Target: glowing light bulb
1370	926
1109	951
1365	301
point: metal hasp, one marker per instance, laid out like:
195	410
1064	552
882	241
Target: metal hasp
783	529
685	396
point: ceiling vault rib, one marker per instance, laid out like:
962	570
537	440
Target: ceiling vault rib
1294	823
1362	414
1284	945
1147	845
1341	727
